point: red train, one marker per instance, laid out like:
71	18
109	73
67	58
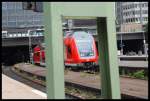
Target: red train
39	54
80	50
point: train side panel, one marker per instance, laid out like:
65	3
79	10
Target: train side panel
73	51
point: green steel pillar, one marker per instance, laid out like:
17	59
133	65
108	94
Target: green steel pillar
108	58
107	44
54	54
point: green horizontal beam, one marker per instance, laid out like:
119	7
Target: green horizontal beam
78	17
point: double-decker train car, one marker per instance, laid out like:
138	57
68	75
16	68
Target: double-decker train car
79	50
39	54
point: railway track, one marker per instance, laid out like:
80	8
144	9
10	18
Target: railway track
77	89
71	94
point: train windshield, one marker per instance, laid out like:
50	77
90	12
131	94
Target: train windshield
85	44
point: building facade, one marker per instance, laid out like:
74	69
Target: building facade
131	16
15	19
13	16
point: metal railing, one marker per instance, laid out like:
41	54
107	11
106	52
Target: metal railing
19	35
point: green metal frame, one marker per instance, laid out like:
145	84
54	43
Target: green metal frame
105	14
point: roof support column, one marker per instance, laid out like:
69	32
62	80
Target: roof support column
108	58
54	53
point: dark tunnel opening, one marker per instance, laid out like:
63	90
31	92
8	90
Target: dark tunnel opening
13	55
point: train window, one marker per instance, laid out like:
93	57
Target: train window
37	54
82	35
85	49
84	43
69	49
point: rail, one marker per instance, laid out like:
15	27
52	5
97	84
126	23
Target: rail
83	87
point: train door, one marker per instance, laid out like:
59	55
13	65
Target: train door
69	53
36	57
65	53
42	55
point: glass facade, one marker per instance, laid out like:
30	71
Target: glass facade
13	15
132	12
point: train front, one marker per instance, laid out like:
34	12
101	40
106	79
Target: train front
86	48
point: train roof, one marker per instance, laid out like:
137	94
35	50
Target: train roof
38	47
79	34
82	35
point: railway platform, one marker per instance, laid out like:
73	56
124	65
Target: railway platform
134	64
134	87
12	89
133	57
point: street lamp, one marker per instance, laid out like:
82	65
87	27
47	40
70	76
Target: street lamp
30	47
144	42
121	46
70	24
144	45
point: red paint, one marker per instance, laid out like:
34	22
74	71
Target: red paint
72	55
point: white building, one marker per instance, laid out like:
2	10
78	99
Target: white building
131	16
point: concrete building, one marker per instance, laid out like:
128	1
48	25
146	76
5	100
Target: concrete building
13	16
131	16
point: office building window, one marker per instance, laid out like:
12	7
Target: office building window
146	4
12	14
139	19
128	20
12	24
136	19
20	18
11	18
145	18
20	23
19	6
143	5
30	23
4	12
135	5
145	12
37	23
11	11
18	11
28	17
10	5
4	5
37	17
4	24
131	19
4	18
